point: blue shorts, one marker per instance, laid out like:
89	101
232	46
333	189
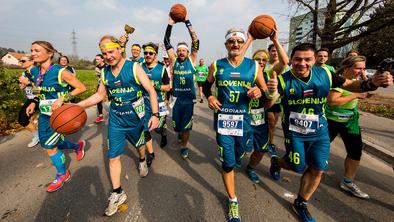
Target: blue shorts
123	125
232	148
260	138
182	117
49	139
312	151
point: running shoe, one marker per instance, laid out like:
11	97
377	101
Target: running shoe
179	138
353	189
81	150
114	201
253	175
301	209
233	214
99	119
34	141
275	168
185	153
163	141
60	179
143	169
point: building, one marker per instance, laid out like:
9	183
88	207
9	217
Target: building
301	31
12	58
259	44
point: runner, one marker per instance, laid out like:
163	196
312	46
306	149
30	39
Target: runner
53	82
260	124
235	78
184	95
125	81
135	53
343	118
158	76
64	61
99	66
27	87
201	73
274	111
304	92
322	59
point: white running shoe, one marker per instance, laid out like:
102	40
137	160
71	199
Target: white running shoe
143	168
353	189
34	141
115	200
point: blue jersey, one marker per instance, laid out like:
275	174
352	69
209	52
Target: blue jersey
52	86
183	81
156	77
303	103
231	87
123	90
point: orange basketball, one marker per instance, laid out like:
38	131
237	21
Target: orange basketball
178	12
68	119
262	26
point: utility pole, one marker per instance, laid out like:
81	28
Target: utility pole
74	43
315	22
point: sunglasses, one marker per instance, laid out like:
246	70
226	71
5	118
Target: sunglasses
149	53
233	41
22	61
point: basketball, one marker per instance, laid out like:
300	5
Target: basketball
178	13
262	26
68	119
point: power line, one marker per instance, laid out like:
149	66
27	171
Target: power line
74	43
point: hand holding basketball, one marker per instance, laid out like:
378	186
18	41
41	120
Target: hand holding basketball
68	119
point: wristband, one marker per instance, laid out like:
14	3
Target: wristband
187	23
269	95
155	114
67	97
367	85
196	45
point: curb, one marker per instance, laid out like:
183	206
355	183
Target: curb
379	152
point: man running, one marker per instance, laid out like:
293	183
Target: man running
135	53
158	76
235	78
183	83
201	73
304	92
322	59
125	82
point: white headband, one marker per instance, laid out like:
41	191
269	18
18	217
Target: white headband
182	46
236	34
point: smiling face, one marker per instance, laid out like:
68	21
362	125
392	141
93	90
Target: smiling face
234	45
25	62
322	58
39	54
112	55
302	62
150	57
355	71
63	61
99	60
135	51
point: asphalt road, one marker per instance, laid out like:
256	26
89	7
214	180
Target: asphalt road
175	189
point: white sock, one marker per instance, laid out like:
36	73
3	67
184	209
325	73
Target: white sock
233	200
35	134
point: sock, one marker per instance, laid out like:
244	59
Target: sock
117	190
152	154
300	200
233	200
347	180
69	145
35	134
58	161
142	160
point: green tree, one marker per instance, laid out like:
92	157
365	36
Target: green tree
379	45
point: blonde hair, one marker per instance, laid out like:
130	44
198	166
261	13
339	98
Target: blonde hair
262	52
349	63
47	46
109	37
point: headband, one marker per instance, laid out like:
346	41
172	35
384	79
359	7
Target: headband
149	49
182	46
235	34
262	54
136	47
110	45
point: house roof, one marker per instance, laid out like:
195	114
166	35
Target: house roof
17	55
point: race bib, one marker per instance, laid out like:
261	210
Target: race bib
303	123
230	125
139	107
257	116
45	106
343	116
29	92
163	110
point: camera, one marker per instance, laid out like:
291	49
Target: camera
386	65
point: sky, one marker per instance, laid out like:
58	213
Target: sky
22	22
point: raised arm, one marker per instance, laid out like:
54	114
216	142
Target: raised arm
167	43
282	55
378	80
245	47
270	90
195	41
